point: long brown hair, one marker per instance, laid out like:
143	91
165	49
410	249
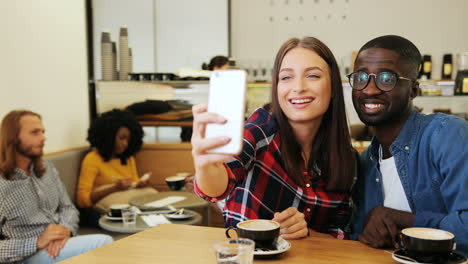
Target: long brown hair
331	150
9	133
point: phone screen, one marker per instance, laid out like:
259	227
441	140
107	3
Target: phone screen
227	98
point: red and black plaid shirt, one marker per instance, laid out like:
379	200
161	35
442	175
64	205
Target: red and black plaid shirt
259	186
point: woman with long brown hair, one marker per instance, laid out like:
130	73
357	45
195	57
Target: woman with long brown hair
297	165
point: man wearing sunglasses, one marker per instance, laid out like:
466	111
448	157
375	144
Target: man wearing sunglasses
415	172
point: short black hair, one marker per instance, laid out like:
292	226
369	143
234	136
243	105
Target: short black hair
101	134
217	61
406	50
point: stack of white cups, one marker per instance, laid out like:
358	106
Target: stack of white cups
124	54
130	60
115	75
107	65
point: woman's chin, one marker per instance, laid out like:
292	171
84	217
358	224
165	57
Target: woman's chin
118	153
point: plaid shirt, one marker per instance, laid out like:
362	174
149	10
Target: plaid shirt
28	205
259	185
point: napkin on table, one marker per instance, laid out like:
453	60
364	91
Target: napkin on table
154	220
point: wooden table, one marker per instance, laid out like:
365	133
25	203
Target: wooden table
119	227
194	244
191	201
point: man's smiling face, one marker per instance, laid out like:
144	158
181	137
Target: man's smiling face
373	106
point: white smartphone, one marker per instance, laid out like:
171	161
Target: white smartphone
145	177
227	98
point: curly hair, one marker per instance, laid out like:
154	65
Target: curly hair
101	134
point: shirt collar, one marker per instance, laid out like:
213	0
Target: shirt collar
406	137
403	142
21	174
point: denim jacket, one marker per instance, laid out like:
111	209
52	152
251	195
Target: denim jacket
431	156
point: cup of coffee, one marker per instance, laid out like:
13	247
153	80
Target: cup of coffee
264	232
426	244
175	182
116	209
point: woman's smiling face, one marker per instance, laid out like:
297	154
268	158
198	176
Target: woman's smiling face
304	86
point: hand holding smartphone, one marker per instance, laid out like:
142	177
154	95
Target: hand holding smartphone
145	177
227	98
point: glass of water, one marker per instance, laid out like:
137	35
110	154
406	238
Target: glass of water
129	216
235	251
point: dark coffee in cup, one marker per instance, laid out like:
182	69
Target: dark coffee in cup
426	244
264	232
175	182
116	210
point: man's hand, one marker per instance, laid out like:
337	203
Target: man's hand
382	224
52	232
293	224
54	247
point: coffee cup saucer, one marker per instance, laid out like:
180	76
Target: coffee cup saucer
113	218
454	258
176	216
282	246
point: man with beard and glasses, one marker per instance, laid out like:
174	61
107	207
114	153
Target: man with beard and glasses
37	219
415	172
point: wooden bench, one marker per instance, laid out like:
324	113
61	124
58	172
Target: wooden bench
162	159
168	159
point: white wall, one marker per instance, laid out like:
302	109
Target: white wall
43	66
189	32
164	35
137	15
261	26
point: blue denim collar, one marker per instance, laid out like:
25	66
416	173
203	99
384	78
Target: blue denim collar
407	136
405	139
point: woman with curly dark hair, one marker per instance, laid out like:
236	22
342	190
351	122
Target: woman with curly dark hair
115	136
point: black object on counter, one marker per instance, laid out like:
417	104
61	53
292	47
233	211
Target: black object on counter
150	107
426	67
153	76
461	82
447	66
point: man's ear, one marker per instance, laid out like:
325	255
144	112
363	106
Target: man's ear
414	90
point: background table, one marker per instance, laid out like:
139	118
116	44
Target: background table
117	226
191	201
194	244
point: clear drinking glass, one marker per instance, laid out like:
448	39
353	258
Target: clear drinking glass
235	251
129	216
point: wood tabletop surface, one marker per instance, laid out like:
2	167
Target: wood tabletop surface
170	243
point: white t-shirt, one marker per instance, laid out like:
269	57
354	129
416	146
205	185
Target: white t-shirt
393	192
